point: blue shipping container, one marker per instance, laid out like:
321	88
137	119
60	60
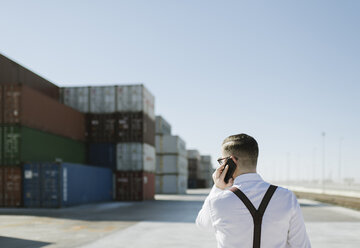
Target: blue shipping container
102	154
58	185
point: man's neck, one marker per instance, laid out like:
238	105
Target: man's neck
236	174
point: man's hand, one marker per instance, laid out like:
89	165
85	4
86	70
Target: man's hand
219	175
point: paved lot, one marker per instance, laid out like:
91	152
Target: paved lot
166	222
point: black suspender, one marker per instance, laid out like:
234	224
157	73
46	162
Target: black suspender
256	214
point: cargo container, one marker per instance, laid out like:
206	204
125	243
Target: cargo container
101	127
205	170
193	154
53	185
192	183
110	99
171	164
10	186
171	184
135	157
134	185
162	127
77	98
135	98
102	99
120	127
102	154
135	127
15	74
25	106
169	144
20	144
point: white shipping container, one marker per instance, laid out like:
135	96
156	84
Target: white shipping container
135	98
162	126
171	164
169	144
193	154
102	99
135	157
76	97
171	184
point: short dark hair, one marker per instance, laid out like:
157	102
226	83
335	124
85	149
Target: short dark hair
242	146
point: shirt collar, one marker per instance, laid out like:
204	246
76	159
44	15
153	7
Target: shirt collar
247	177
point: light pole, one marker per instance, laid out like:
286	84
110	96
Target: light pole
323	162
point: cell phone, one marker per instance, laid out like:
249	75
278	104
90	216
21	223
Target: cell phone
231	170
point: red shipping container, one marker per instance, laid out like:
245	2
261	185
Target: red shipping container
23	105
134	185
13	73
10	186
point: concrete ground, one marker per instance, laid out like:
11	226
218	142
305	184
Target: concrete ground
166	222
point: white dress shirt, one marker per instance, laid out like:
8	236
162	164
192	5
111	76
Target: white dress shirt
226	215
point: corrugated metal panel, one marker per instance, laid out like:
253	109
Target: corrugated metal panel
135	157
32	185
58	185
102	99
23	105
10	186
120	127
102	154
22	144
85	184
135	98
13	73
77	98
134	185
193	154
193	165
171	184
169	144
162	127
101	127
171	164
148	103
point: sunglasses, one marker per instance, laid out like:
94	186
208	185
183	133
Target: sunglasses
221	161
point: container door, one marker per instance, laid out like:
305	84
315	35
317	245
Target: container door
51	187
32	185
12	187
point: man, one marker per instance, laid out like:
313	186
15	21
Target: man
246	211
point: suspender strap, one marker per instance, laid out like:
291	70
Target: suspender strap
258	214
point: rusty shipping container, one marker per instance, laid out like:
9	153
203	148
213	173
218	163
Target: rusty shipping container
15	74
101	127
120	127
134	185
25	106
10	186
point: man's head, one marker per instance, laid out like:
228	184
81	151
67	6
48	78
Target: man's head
244	148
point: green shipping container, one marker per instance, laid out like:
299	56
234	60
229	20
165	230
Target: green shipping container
19	144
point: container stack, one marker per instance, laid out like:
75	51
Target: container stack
120	134
171	160
35	128
205	171
193	165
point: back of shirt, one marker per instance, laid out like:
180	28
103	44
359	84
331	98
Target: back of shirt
224	213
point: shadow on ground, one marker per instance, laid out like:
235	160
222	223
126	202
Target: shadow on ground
20	243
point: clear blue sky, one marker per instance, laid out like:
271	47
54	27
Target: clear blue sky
281	71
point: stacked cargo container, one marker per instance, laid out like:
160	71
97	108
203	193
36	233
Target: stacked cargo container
200	170
37	134
120	134
205	171
193	165
171	160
